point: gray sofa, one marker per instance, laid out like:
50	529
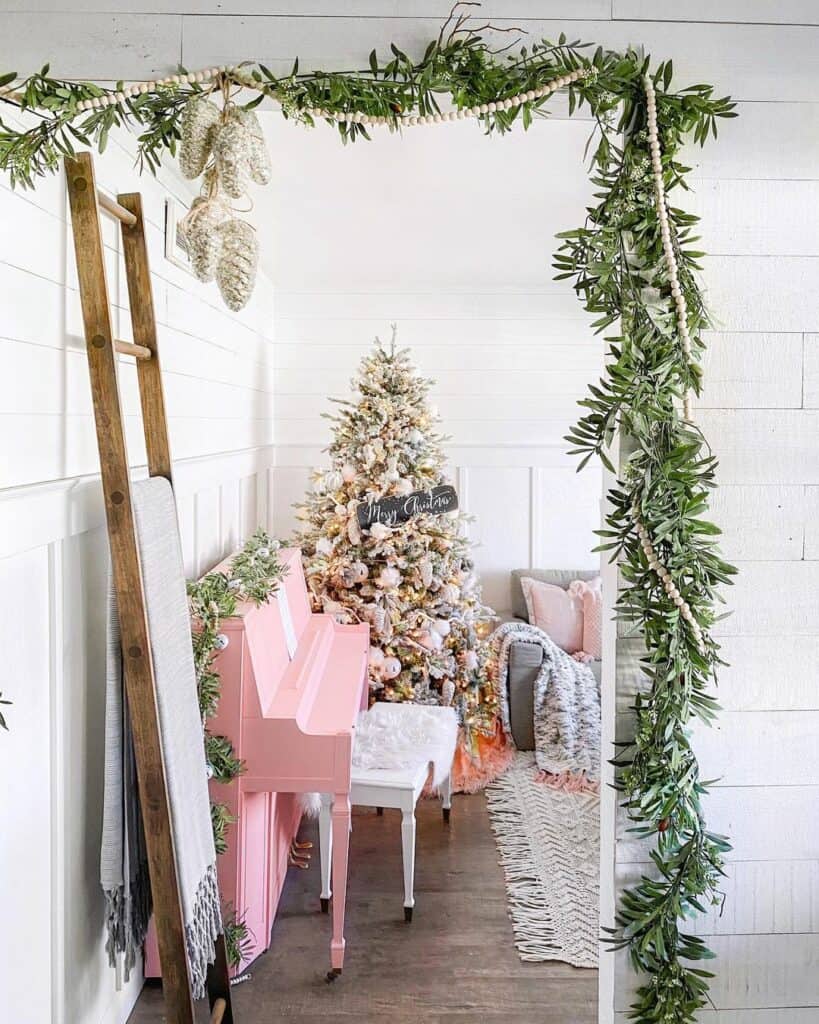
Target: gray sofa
525	659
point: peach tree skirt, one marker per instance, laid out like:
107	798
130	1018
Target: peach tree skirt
549	845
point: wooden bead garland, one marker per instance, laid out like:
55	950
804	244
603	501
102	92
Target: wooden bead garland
665	231
668	583
246	78
685	339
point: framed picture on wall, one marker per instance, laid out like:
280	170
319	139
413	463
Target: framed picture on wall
174	249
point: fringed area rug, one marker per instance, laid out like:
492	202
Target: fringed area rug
549	844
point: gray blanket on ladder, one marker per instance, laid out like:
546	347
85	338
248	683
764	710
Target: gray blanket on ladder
123	861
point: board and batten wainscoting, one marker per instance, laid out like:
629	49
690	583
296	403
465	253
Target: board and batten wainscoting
53	555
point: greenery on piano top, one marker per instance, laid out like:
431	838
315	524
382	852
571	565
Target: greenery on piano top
616	262
254	574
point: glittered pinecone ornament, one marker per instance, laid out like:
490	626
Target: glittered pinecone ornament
232	151
236	269
199	233
197	127
259	165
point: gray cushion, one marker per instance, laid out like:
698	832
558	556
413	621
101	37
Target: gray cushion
524	664
557	577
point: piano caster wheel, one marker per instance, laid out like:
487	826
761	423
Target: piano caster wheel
332	974
380	812
447	811
325	905
408	914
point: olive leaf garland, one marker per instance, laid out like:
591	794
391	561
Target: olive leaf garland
633	264
255	574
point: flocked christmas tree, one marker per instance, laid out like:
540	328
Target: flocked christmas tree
413	582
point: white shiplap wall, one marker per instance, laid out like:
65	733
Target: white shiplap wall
53	553
757	191
449	235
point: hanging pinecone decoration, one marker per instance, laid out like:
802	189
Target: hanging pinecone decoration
259	165
232	150
197	126
198	233
236	270
218	243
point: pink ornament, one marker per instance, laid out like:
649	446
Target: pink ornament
348	472
390	668
376	657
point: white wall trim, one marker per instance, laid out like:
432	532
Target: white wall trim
34	515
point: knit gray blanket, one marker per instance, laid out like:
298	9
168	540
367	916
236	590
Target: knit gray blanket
123	860
566	708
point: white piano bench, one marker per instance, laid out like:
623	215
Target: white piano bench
397	788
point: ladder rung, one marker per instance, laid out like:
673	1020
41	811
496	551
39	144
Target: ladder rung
128	348
218	1011
113	207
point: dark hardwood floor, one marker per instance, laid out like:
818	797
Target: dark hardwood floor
455	964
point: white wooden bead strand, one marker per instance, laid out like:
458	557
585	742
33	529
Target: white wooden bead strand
668	583
140	88
245	77
665	231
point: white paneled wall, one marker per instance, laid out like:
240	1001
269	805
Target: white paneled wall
413	232
757	190
53	553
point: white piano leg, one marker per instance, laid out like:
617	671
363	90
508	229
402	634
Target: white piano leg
408	849
325	849
341	848
446	796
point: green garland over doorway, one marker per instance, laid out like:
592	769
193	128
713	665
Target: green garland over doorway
633	264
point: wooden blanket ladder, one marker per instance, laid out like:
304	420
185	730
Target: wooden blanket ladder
102	347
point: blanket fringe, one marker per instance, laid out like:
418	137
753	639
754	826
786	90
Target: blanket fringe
126	920
202	932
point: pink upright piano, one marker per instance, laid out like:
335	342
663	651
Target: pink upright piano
292	684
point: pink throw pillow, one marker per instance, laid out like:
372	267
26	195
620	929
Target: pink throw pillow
591	594
556	611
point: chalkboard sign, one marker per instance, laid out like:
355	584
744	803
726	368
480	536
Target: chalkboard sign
392	511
